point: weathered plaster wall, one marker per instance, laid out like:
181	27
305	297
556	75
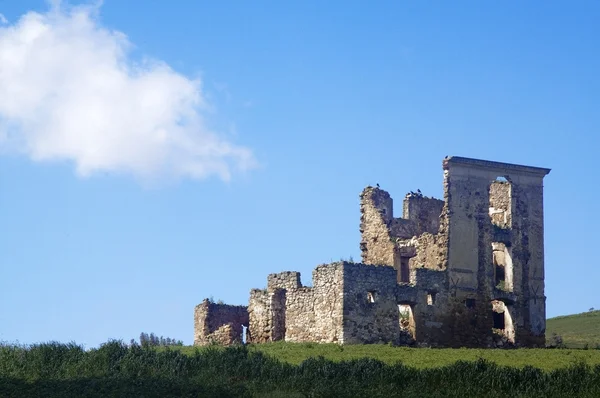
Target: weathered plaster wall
219	323
472	232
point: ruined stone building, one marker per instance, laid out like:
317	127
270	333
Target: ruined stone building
467	270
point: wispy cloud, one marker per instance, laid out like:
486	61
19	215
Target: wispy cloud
69	90
3	19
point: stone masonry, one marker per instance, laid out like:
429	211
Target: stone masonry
465	271
216	323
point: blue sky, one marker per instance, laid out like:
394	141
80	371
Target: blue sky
153	154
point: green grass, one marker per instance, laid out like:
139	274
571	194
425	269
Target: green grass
576	330
422	358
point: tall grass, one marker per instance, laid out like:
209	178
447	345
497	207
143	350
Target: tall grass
118	370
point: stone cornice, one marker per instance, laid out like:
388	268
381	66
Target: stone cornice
496	166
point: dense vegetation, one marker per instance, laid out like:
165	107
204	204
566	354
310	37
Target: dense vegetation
577	331
115	369
422	358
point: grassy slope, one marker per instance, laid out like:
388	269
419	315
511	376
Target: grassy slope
576	330
420	358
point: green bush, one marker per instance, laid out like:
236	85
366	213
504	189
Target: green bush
118	370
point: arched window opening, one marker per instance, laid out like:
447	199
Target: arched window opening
503	266
503	327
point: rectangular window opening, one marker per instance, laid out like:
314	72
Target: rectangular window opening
431	298
498	320
470	303
503	266
404	270
500	206
407	322
371	296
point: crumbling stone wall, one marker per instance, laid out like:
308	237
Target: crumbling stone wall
467	271
287	310
266	314
424	212
419	237
474	232
376	208
501	204
260	317
284	280
219	323
371	312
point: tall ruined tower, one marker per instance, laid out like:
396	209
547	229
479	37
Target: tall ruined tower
487	235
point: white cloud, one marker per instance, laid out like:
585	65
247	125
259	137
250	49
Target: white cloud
70	91
3	19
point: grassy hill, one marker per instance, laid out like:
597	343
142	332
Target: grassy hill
576	330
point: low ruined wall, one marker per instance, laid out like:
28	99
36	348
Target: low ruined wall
328	290
371	312
315	314
286	310
219	323
260	319
300	315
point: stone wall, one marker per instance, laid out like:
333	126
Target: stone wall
284	280
475	229
370	307
315	314
219	323
376	208
467	271
430	252
424	212
260	317
297	313
501	204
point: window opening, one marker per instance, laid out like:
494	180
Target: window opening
404	270
498	320
500	210
371	296
431	298
407	323
503	266
502	321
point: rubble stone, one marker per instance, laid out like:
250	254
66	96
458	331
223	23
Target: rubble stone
467	270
